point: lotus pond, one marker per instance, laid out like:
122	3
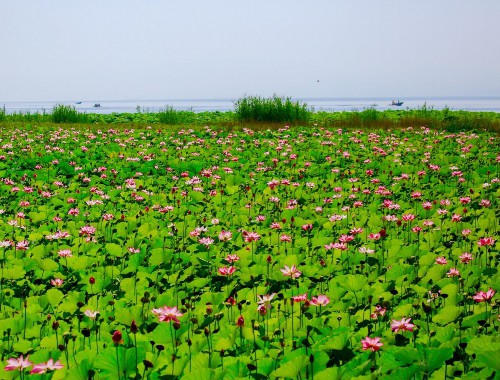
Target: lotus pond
298	253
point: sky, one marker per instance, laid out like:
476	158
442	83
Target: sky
187	49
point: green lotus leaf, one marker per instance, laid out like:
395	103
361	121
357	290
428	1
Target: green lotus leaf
447	315
446	333
49	342
22	347
292	368
437	356
354	283
15	272
115	250
333	373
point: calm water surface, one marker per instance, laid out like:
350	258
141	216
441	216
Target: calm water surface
491	104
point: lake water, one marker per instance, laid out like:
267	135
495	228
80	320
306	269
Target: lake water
491	104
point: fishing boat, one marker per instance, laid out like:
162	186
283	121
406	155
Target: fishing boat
97	105
78	103
397	103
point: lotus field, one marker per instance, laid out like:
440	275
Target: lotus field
298	253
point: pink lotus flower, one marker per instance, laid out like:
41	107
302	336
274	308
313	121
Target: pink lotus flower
285	238
167	314
320	300
371	344
225	236
453	272
487	241
292	272
226	271
250	236
50	365
483	297
465	258
57	282
441	260
300	298
407	218
65	253
378	312
402	325
87	230
92	314
206	241
265	300
232	258
18	364
22	245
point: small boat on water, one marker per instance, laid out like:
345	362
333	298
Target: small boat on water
97	105
397	103
78	102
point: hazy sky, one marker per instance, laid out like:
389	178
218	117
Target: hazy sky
152	49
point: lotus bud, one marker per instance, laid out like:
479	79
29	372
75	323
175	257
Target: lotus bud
133	327
240	322
117	337
209	309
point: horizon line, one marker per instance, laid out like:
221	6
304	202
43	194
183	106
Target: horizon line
416	97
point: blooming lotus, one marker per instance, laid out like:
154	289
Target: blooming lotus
300	298
465	258
225	236
378	312
18	364
292	272
402	325
265	300
57	282
167	314
250	236
92	314
484	296
372	344
453	272
320	300
226	271
486	242
441	260
232	258
50	365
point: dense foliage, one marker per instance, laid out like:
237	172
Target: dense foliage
207	254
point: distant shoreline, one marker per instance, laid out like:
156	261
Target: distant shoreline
333	104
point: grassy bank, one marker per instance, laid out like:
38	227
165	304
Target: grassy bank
260	114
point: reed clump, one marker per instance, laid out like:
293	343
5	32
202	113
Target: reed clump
67	114
169	115
275	109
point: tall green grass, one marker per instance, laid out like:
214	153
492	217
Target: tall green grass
67	114
274	109
169	115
